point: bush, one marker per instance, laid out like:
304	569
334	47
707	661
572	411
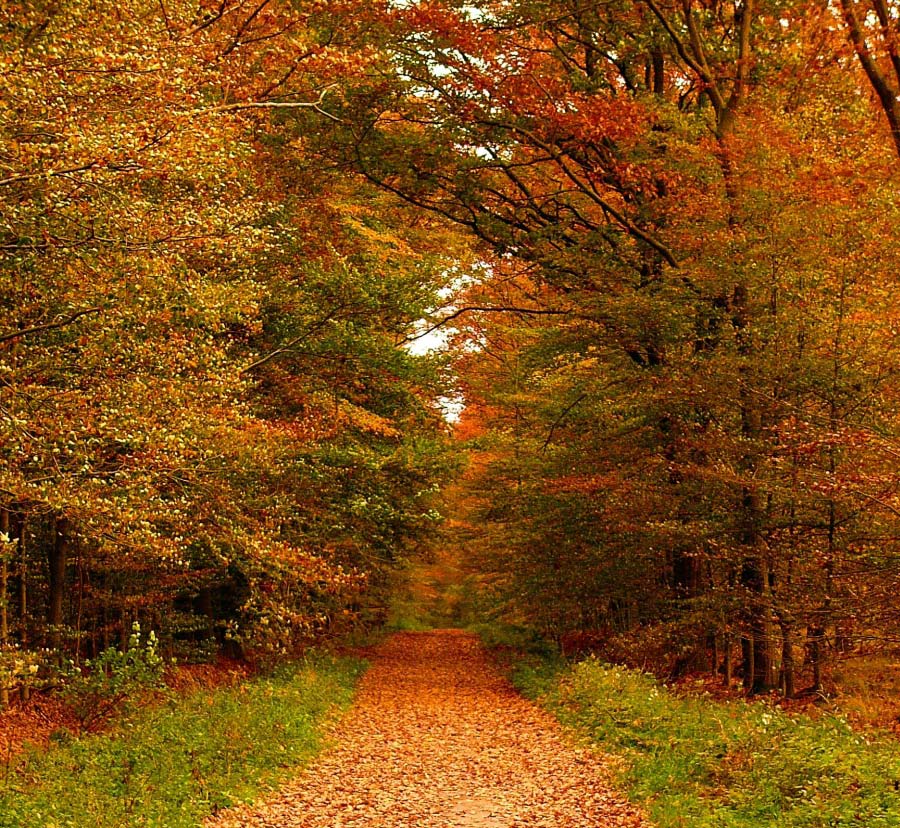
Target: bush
114	677
20	668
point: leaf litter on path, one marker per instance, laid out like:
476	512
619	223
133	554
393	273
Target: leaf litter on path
437	738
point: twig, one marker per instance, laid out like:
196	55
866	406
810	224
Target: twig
560	418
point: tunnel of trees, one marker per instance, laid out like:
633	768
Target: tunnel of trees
660	236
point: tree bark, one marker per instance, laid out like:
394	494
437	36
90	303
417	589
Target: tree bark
57	559
4	615
816	654
24	691
787	657
23	587
729	663
886	92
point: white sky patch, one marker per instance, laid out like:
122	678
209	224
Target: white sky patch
430	342
438	339
451	406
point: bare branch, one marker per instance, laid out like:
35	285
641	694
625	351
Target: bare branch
46	174
295	341
558	421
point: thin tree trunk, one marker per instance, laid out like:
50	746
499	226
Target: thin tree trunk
715	655
729	663
821	625
124	629
787	658
754	575
4	615
57	555
748	661
886	91
24	690
23	587
79	609
816	654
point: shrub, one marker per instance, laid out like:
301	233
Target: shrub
112	678
173	764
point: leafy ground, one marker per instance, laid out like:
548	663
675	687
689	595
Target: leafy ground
438	737
692	760
169	765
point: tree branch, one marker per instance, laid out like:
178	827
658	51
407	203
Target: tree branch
485	309
59	323
696	62
295	341
560	418
591	192
47	174
316	106
886	94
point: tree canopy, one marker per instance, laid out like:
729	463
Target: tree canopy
662	235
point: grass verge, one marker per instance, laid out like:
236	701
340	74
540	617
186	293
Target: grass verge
173	764
694	761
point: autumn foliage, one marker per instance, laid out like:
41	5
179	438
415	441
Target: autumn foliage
680	353
671	232
207	423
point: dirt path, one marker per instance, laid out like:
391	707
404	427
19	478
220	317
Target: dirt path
438	738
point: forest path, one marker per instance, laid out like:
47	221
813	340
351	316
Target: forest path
437	737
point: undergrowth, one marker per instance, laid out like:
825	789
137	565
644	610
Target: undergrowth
694	761
172	764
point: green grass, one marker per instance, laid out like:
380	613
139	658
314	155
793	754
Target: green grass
173	764
694	761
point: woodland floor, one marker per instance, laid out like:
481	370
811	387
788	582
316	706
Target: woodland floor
437	737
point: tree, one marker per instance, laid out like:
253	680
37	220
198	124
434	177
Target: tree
207	407
648	166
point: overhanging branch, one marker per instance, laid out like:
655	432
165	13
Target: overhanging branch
316	106
485	309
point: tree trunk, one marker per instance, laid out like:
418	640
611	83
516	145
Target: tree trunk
24	691
23	587
747	661
729	663
124	629
57	556
758	672
715	655
787	658
205	608
754	576
79	610
659	72
882	84
817	654
820	626
4	616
